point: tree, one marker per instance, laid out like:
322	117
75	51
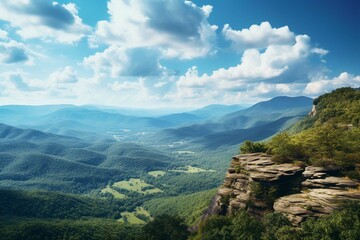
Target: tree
245	227
214	227
165	228
252	147
273	222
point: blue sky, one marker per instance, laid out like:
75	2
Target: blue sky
174	53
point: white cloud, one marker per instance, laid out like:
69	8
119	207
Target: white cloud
3	34
118	61
14	52
258	36
320	51
65	75
178	28
277	62
320	86
160	84
44	19
254	66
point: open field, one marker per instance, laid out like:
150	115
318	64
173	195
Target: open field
131	217
137	185
157	173
190	169
115	193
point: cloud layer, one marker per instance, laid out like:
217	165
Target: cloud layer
151	54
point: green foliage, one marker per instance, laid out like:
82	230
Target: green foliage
91	229
267	193
340	106
339	225
165	228
274	223
239	227
41	204
284	148
246	227
288	233
331	137
214	227
344	224
252	147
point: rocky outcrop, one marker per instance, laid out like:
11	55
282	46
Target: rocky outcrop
321	194
257	184
253	181
312	203
313	111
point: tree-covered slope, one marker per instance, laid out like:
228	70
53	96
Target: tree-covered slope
31	159
43	204
341	106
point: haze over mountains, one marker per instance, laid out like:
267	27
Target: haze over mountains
76	149
84	120
258	122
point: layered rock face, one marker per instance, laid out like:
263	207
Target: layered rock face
321	194
255	183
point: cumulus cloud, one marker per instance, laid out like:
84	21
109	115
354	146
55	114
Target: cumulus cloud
320	86
274	61
258	36
254	67
65	75
44	19
13	52
178	28
117	61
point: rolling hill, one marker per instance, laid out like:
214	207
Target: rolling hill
31	159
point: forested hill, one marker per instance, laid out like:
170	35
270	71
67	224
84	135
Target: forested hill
328	136
341	106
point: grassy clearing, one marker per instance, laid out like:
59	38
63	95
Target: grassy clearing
115	193
157	173
190	169
137	185
130	217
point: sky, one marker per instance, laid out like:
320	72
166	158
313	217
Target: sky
175	53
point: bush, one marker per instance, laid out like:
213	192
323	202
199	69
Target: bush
246	227
213	228
273	222
253	147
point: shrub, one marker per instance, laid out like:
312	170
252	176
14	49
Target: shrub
253	147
